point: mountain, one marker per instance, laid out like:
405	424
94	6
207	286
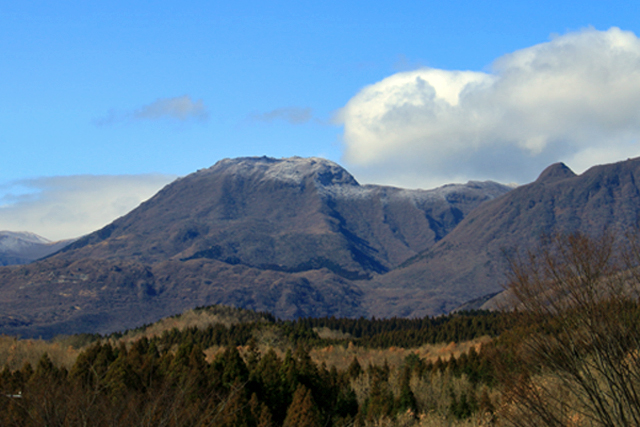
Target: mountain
297	237
24	247
470	261
286	215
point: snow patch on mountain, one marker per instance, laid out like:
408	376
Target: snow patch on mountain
445	193
332	180
12	241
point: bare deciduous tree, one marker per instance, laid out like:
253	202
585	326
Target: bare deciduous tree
583	360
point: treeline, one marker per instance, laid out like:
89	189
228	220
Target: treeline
407	333
368	333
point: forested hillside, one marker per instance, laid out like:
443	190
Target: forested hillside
262	371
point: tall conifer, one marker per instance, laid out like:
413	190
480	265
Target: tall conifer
302	412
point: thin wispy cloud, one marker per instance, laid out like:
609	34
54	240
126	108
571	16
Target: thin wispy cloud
575	99
181	109
292	115
64	207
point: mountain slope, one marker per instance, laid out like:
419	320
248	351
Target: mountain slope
285	215
470	262
289	236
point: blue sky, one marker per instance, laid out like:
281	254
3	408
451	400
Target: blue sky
128	95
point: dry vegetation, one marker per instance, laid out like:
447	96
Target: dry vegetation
341	357
196	318
582	358
14	352
63	350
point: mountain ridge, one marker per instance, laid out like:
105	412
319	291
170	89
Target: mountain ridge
296	237
472	256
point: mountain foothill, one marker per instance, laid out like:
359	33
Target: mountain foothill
300	237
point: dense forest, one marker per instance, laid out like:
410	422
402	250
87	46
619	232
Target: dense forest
168	379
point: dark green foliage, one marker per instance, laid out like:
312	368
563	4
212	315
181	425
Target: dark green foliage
407	400
477	367
270	385
380	403
464	405
121	377
236	412
229	368
126	386
354	369
213	335
407	333
92	364
342	399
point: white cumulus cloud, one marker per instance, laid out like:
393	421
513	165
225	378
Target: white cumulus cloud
65	207
574	99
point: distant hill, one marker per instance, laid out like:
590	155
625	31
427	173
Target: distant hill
469	262
296	237
24	247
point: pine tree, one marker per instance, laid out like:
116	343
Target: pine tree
406	400
45	368
232	367
302	412
354	369
236	411
268	375
380	403
121	377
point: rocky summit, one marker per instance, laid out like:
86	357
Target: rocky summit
296	237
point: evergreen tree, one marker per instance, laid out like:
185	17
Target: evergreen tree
354	369
261	416
302	412
232	367
463	406
121	380
406	399
380	403
236	411
268	377
45	368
